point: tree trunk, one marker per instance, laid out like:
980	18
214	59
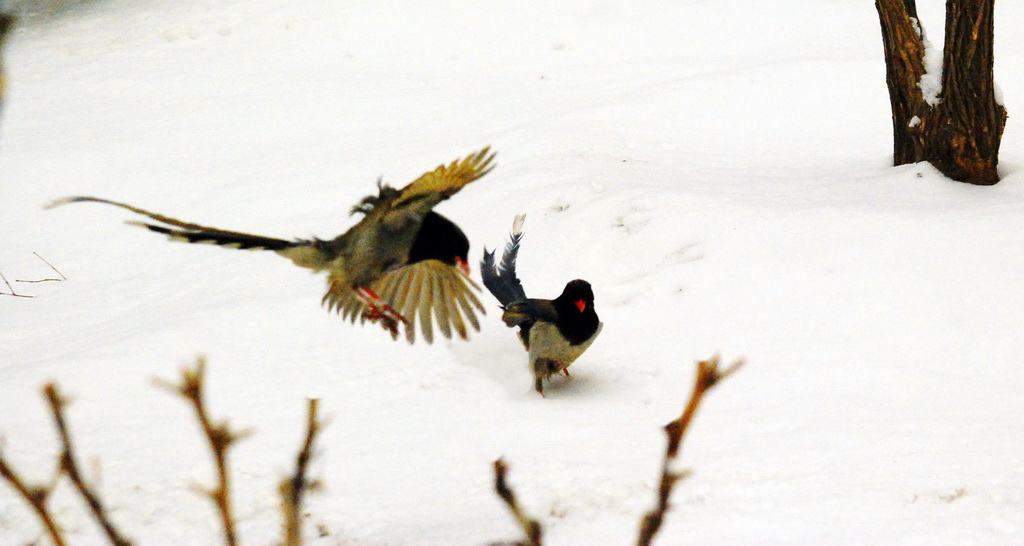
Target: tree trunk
959	130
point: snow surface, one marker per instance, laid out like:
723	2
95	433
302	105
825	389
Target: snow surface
720	171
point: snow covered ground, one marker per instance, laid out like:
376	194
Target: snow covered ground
719	171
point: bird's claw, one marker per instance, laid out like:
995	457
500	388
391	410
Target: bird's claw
378	310
388	317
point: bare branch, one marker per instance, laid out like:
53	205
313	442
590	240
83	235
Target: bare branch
293	488
69	467
531	527
34	496
62	277
708	375
219	436
11	288
51	266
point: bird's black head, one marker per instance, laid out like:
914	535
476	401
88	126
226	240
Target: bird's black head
577	318
440	239
579	293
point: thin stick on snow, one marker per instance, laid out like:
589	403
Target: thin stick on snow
708	375
531	527
294	488
36	497
62	277
220	437
69	467
11	288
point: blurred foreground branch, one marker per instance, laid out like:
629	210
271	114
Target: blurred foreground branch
218	435
35	496
708	375
69	467
531	527
293	488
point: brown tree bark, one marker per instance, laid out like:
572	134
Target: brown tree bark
959	135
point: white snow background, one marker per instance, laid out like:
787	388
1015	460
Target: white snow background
720	171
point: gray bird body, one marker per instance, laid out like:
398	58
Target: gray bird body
369	249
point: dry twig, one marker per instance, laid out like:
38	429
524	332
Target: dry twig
69	467
62	277
531	527
220	437
34	496
708	375
294	488
11	288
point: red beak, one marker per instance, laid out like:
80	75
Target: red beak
581	304
463	265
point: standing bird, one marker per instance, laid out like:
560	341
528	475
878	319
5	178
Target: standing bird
400	260
554	332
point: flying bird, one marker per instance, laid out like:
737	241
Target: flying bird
401	260
554	332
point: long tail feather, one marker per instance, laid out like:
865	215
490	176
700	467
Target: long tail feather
231	240
190	232
501	279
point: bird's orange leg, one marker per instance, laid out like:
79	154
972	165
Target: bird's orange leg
378	310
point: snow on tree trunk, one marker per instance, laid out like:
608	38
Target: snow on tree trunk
958	126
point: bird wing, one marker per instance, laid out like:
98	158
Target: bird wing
443	182
426	292
529	311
